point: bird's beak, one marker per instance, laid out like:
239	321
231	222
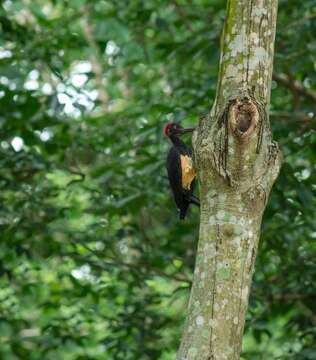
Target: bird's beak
184	131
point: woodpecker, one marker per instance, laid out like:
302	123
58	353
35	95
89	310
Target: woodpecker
181	173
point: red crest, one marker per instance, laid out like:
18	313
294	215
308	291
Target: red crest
167	128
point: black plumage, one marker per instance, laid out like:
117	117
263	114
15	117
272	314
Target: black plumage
181	173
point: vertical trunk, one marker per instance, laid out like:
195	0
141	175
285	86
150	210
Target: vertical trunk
237	164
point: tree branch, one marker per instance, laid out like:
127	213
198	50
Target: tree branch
295	86
104	261
299	117
302	20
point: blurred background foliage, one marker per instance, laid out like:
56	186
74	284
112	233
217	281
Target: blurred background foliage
94	263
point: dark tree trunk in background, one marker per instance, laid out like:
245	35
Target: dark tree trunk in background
237	164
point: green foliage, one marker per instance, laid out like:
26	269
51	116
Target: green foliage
94	262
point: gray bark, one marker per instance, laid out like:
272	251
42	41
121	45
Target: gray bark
237	163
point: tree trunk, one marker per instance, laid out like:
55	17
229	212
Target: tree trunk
237	164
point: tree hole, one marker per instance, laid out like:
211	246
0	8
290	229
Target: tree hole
243	121
243	117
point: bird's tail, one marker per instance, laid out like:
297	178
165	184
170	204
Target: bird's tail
184	210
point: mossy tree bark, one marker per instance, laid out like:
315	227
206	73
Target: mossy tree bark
237	164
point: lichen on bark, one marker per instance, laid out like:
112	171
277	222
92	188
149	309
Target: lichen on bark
237	164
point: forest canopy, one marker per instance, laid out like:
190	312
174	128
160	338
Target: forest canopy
94	262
